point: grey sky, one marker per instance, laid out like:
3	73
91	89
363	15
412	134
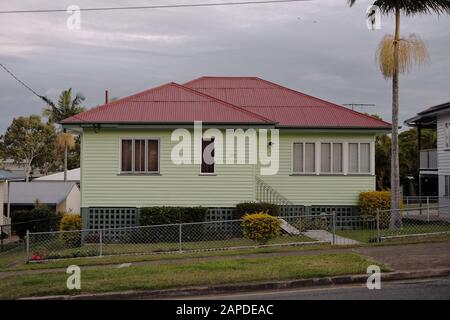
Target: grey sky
320	47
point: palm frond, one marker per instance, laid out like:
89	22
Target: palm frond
66	140
351	2
411	51
413	7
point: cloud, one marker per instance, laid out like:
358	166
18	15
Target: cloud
320	47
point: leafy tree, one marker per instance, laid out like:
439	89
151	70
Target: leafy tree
66	107
29	142
397	55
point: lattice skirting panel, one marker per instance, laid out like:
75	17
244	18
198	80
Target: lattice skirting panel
104	218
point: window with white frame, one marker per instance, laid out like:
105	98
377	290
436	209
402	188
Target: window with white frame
331	157
139	155
359	157
304	157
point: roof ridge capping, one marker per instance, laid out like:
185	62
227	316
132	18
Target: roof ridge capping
105	105
228	104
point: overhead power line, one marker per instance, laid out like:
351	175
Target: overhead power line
212	4
47	100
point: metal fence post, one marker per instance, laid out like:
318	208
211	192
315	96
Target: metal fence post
378	226
334	227
428	208
100	240
28	245
180	238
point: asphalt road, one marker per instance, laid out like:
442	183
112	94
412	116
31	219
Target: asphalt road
428	289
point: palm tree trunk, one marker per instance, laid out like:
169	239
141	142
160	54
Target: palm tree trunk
395	221
65	163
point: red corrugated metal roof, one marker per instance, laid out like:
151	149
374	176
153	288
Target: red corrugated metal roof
285	106
169	103
227	100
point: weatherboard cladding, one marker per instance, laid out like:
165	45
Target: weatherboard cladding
227	100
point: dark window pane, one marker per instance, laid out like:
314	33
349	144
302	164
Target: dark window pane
127	155
139	155
207	156
153	155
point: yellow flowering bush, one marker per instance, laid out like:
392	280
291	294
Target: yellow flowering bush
71	222
260	227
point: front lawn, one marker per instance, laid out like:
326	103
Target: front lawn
55	248
367	236
164	276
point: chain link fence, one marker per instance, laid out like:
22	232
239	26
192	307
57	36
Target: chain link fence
410	222
228	234
184	237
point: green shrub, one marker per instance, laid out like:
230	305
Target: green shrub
260	227
370	201
318	223
255	207
38	219
170	215
71	222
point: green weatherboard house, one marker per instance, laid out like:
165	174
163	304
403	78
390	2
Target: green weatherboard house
326	151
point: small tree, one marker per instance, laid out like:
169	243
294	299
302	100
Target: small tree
66	107
29	142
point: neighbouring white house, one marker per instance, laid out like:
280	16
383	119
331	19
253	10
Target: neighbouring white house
58	195
435	163
72	176
5	177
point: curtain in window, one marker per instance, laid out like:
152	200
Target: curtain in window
337	157
365	157
153	150
353	157
127	149
310	157
297	157
139	155
325	158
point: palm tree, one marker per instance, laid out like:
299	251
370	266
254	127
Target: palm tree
65	108
397	55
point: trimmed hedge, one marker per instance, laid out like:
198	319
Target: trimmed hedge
169	215
38	219
255	207
370	201
260	227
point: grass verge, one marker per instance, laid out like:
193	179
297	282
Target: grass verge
166	276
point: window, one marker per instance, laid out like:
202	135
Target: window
304	158
325	158
331	157
127	155
139	156
359	157
446	186
207	156
337	158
